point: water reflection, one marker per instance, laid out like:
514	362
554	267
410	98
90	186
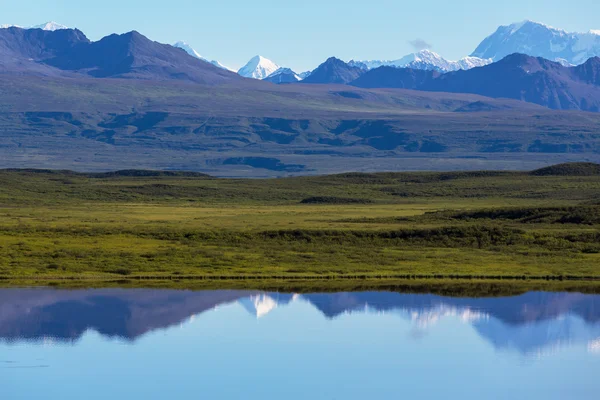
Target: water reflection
532	323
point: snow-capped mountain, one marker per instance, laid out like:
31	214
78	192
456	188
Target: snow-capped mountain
425	60
539	40
48	26
283	75
190	50
258	67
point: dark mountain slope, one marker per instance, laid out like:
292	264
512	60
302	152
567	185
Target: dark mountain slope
589	72
335	71
38	44
132	55
22	51
67	51
398	78
531	79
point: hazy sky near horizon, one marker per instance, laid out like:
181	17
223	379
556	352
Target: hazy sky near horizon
302	34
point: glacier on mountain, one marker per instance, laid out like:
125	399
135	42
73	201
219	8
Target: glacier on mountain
540	40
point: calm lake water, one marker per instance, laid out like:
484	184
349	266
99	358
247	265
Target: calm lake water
161	344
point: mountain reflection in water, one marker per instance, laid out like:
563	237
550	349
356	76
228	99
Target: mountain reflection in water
529	323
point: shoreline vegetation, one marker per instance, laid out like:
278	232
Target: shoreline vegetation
539	228
444	287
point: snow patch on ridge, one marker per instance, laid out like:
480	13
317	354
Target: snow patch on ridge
192	52
48	26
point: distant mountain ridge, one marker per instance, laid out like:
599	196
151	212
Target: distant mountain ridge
425	60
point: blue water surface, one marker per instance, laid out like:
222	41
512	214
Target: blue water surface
161	344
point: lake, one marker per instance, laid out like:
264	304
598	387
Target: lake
169	344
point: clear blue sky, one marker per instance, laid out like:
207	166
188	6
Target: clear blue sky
302	33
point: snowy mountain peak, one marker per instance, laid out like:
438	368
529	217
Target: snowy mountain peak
540	40
258	67
50	26
192	52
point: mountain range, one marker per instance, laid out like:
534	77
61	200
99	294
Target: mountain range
526	37
126	101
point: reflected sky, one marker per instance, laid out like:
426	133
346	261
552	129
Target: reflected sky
156	344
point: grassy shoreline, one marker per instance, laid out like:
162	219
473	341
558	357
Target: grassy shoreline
144	225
